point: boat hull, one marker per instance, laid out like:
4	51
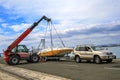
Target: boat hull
55	52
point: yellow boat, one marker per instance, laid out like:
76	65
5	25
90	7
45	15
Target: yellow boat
54	52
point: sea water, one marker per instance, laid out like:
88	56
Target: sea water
115	50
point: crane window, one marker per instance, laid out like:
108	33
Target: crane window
22	49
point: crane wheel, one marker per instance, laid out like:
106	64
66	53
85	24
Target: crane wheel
35	58
13	60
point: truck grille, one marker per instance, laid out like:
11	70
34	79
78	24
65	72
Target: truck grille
110	53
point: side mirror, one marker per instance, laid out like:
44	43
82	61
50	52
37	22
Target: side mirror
90	50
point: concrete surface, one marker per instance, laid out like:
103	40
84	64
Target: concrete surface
29	74
6	76
76	71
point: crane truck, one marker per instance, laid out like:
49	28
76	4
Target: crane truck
15	52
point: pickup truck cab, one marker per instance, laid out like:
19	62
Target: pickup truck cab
95	53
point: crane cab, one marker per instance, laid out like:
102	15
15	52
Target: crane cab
20	48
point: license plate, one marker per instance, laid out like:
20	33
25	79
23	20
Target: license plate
110	56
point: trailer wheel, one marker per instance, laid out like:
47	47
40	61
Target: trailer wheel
35	58
77	59
13	60
45	58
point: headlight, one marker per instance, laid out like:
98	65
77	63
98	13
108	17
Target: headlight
108	53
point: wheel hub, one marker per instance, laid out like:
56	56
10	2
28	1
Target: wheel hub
14	60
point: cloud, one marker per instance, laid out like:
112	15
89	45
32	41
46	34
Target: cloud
68	14
68	10
91	29
1	30
19	27
1	20
4	25
77	21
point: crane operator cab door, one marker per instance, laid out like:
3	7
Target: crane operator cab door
22	51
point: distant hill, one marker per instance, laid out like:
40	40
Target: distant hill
109	45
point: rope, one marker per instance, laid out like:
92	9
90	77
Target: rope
40	44
50	26
58	35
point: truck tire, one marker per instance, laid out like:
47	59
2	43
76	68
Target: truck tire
109	60
14	60
35	58
77	59
97	60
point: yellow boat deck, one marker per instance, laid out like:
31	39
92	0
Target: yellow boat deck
54	51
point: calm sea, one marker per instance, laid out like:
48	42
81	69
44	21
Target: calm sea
115	50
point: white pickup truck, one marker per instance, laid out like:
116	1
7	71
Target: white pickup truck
92	53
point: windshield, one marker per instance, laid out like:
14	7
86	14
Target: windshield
96	48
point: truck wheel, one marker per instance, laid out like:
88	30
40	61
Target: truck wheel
35	58
109	60
97	60
13	60
77	59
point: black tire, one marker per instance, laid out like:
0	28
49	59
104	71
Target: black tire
13	60
35	58
109	60
29	61
77	59
97	60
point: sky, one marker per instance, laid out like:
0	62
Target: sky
76	21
